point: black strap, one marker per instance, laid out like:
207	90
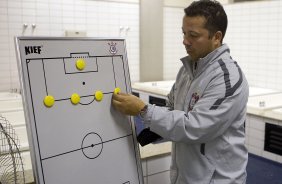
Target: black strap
203	148
146	136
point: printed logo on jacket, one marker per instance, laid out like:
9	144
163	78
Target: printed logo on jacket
194	99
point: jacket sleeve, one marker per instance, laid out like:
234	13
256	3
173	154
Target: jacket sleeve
170	99
207	120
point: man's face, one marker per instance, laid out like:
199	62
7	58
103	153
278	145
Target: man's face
196	38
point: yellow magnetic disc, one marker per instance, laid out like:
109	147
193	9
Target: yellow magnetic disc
80	64
49	101
75	98
117	91
99	95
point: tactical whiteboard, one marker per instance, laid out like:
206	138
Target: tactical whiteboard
75	134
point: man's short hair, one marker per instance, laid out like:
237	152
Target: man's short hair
213	12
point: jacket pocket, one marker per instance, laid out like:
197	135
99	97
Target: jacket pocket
209	166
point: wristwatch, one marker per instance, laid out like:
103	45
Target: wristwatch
143	111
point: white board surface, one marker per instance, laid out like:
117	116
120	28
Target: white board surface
87	142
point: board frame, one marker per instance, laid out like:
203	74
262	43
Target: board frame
26	102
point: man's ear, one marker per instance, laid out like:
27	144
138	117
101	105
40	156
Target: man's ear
218	37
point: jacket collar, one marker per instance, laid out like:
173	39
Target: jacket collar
203	63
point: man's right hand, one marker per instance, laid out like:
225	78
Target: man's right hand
127	104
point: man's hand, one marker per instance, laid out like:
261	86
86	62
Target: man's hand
127	104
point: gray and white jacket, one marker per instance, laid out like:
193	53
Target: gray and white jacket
205	121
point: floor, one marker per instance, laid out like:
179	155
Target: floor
263	171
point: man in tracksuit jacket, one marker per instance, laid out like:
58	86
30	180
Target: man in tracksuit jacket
206	106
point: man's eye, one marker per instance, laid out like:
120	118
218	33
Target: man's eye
193	35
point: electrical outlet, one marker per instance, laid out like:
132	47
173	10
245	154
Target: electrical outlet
73	33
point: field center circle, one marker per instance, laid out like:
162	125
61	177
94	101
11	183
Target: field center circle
92	145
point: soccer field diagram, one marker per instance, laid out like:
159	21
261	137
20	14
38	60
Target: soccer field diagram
75	134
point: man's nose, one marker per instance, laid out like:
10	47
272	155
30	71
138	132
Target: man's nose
185	41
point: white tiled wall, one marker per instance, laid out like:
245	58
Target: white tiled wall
173	47
253	35
53	17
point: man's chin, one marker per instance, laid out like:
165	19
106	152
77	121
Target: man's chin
193	58
190	54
